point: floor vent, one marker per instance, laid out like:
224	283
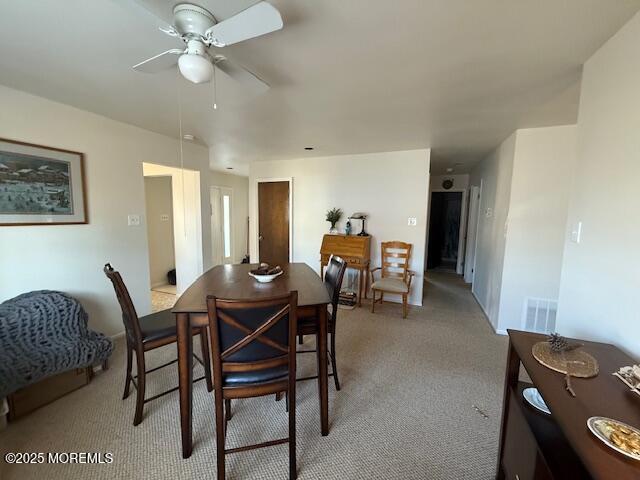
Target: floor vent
539	315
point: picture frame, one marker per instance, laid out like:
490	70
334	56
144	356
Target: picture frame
41	185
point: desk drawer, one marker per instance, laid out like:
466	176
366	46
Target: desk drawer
521	460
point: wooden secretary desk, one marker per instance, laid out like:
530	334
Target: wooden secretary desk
538	446
353	249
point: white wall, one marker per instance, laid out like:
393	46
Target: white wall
460	182
494	174
159	219
601	275
390	187
540	188
70	257
240	208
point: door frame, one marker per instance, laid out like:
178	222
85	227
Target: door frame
223	190
462	229
472	249
256	205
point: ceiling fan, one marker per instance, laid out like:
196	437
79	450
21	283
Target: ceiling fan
199	30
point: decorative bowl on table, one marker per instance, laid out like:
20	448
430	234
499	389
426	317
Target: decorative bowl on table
265	273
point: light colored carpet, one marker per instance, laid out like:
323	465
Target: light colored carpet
172	289
406	409
162	301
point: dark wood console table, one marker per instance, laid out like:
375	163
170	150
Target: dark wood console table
534	445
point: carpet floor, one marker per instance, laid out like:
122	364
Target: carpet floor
421	399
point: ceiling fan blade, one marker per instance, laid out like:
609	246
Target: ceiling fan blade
160	62
243	76
142	10
256	20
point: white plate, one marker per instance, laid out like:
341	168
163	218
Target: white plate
598	427
266	278
534	398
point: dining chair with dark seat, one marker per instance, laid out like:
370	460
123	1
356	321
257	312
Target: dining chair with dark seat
333	277
253	353
148	333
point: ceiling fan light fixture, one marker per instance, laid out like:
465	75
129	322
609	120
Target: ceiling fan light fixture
195	68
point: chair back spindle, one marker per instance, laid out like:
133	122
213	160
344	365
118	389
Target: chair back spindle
129	315
333	277
250	336
395	259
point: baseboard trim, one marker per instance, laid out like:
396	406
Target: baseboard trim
117	335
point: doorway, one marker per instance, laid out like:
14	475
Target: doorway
162	260
221	225
186	219
444	230
274	223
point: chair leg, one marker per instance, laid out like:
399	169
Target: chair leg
204	343
404	306
140	367
334	367
373	301
220	436
291	402
127	380
227	407
300	339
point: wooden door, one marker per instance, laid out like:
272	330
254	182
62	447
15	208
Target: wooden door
273	222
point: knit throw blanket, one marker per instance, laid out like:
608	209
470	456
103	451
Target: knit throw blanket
44	333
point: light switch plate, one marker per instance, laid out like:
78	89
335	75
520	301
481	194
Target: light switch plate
133	220
412	222
164	217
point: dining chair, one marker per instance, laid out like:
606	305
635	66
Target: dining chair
253	353
147	333
395	276
333	277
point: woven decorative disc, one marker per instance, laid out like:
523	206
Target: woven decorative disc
576	363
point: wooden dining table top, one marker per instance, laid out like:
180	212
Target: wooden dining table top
234	282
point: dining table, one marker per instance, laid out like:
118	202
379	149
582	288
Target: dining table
234	282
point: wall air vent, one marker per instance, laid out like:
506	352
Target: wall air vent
539	315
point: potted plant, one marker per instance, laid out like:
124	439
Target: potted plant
333	216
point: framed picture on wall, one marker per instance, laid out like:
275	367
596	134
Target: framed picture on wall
41	185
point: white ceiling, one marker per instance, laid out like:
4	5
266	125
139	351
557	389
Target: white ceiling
351	76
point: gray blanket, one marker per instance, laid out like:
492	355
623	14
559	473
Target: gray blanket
44	333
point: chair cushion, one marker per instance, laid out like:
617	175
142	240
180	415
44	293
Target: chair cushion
157	326
395	285
259	376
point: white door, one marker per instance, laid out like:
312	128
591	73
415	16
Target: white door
472	230
221	226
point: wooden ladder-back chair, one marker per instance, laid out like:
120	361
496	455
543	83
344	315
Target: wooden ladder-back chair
148	333
254	354
395	276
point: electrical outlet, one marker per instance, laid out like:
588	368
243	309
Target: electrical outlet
133	220
489	212
412	222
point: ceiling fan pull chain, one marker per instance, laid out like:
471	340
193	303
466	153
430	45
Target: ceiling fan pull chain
184	203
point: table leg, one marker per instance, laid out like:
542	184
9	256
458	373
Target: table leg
323	379
360	287
366	282
185	379
510	381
